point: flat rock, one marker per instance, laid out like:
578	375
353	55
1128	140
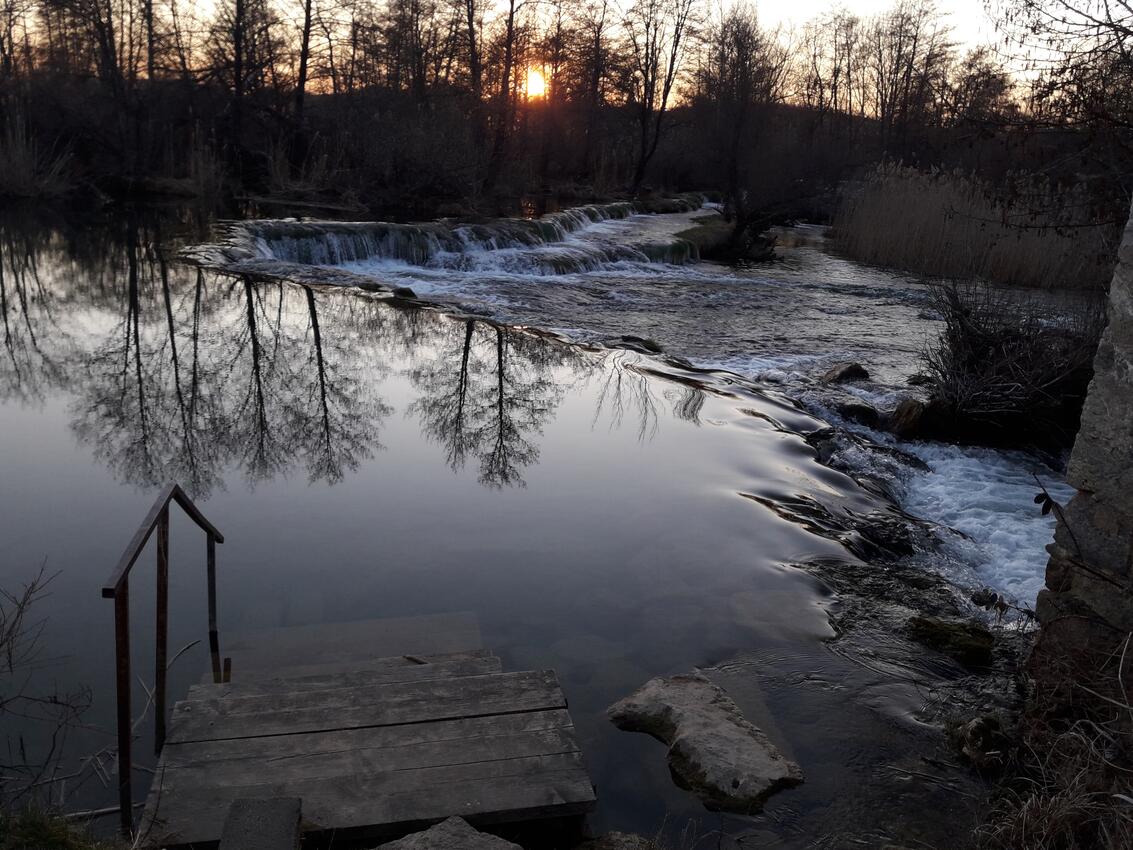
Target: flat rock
452	834
714	751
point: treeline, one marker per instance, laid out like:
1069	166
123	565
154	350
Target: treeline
411	104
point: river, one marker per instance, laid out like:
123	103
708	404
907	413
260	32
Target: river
604	512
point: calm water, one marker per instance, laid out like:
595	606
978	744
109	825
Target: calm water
594	508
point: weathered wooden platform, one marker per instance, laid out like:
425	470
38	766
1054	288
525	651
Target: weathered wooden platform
376	741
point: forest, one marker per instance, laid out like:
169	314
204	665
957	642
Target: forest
425	107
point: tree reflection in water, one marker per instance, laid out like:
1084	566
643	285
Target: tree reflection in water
27	306
487	392
202	374
186	375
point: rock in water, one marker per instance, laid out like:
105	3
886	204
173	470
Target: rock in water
714	751
619	841
845	372
969	643
905	421
860	412
452	834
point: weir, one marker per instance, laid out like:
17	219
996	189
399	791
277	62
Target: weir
552	244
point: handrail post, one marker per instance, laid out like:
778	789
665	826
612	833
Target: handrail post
162	630
214	638
125	721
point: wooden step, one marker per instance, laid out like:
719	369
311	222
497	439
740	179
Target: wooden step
333	676
357	643
381	728
388	803
370	705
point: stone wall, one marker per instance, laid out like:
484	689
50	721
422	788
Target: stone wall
1086	610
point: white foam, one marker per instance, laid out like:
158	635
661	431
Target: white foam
988	495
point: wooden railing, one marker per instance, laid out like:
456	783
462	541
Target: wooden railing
118	589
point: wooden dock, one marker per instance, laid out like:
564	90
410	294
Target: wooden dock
379	727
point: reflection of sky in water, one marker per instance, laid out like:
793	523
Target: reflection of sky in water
397	462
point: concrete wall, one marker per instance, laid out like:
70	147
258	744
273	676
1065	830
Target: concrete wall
1086	609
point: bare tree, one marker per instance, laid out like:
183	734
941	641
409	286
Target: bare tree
656	32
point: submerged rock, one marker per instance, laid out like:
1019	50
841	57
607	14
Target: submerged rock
714	751
968	643
452	834
641	344
843	372
619	841
983	741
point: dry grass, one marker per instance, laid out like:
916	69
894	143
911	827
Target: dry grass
1074	788
947	224
34	829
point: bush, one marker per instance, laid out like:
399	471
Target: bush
1009	371
1027	233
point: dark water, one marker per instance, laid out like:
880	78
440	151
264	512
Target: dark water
594	508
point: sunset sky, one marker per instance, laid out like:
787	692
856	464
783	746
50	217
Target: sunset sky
968	17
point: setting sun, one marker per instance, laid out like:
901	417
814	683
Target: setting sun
536	84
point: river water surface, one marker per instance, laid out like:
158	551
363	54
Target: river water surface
606	513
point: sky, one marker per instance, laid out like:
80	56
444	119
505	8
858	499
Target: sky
969	18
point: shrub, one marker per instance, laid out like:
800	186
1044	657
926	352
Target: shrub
1009	370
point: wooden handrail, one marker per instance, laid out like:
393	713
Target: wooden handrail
118	589
171	492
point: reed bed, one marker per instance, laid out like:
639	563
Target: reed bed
1028	233
26	169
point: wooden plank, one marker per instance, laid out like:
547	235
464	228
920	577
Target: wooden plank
272	748
375	665
359	640
368	761
485	792
350	708
410	672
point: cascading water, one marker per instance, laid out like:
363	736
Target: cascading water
557	243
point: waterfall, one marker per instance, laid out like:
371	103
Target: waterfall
554	244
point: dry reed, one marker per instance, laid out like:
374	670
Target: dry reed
26	169
1029	233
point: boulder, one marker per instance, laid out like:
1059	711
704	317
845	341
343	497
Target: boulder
714	751
404	292
843	372
905	420
452	834
860	412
